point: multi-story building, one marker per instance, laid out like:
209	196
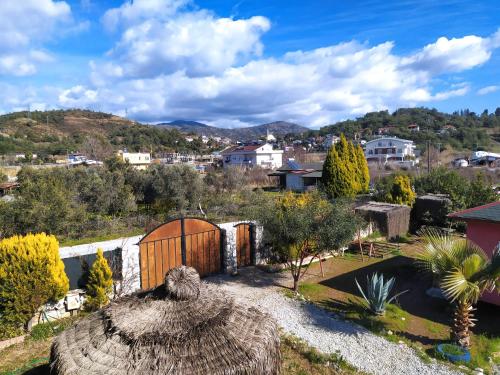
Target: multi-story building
253	156
139	160
389	149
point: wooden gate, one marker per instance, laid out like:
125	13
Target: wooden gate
244	248
187	241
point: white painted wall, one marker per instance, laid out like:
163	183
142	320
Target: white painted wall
130	257
130	253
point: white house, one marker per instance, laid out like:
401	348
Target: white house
253	156
389	149
139	160
330	140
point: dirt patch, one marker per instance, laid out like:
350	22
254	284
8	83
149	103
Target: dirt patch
30	357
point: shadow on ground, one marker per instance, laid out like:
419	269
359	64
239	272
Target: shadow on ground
253	277
415	301
39	370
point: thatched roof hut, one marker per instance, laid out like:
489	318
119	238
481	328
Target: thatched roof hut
182	327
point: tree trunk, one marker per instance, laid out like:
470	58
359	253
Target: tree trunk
295	284
462	323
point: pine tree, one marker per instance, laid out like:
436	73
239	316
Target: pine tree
100	283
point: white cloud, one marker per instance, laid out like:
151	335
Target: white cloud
135	11
488	90
24	25
176	61
453	55
77	96
195	42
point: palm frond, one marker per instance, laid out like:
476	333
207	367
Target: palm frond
455	286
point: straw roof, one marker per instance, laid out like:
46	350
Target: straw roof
184	326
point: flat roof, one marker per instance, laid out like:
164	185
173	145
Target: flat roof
487	212
380	207
315	174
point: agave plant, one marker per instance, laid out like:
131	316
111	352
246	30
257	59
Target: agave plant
465	272
377	292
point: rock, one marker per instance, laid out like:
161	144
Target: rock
389	332
403	318
435	293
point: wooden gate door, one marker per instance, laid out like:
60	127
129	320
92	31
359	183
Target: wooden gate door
186	241
244	244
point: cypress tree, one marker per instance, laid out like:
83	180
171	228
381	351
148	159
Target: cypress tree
364	172
354	170
336	177
100	283
345	171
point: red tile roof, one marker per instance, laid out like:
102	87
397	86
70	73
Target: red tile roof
241	149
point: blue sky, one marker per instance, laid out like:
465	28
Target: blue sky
237	63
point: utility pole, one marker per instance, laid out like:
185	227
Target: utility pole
439	152
428	157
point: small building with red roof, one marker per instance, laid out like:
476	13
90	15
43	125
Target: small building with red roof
483	229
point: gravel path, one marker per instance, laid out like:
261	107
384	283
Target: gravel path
361	348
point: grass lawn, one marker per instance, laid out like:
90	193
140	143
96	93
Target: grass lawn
415	317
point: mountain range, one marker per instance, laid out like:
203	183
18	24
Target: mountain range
277	128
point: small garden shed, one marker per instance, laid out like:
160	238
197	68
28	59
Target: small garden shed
392	220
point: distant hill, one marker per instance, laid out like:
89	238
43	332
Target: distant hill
95	133
277	128
461	129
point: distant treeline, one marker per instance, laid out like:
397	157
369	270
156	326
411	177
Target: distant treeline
472	131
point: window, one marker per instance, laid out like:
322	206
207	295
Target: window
380	144
370	152
400	150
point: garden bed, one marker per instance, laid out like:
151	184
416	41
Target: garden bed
415	318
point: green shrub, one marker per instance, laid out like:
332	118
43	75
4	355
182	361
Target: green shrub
100	283
31	274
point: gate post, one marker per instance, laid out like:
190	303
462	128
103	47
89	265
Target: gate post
252	235
183	242
223	250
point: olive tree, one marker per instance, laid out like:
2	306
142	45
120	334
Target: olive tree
300	227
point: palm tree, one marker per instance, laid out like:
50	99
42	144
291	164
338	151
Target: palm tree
464	272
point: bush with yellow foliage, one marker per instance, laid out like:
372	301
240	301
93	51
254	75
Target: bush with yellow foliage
31	274
100	283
